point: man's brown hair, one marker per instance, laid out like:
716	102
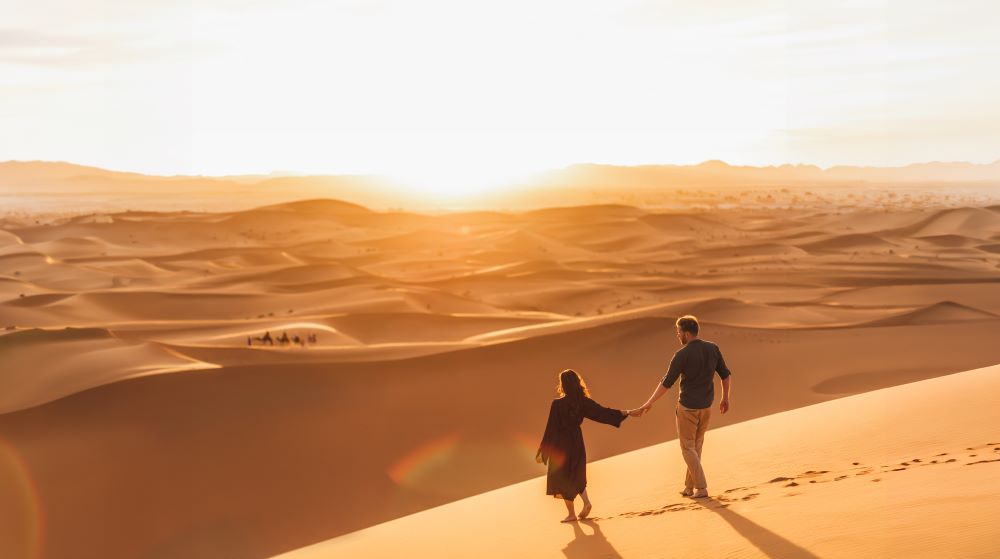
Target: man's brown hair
688	323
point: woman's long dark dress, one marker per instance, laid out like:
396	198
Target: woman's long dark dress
562	444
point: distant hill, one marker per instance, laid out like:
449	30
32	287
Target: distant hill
44	185
55	184
719	174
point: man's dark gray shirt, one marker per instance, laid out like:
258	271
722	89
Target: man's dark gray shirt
696	364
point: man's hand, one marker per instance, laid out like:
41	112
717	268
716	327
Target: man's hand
539	457
724	405
637	412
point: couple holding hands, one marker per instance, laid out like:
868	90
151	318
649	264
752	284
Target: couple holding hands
562	448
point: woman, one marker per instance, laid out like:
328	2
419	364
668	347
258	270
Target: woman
562	444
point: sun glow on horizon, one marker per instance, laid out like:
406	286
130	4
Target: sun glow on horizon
453	98
460	181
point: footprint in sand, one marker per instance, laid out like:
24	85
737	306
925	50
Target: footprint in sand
722	501
982	462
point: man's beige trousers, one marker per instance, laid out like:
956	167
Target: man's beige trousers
691	427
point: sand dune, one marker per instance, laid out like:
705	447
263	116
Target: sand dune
977	295
439	337
686	226
323	208
430	420
946	312
848	243
890	472
975	222
7	238
75	360
402	327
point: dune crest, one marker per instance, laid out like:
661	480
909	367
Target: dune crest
75	360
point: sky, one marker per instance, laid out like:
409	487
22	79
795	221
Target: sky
461	92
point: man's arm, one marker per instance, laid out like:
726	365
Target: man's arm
656	395
673	371
726	385
725	374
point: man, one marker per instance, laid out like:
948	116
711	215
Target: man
695	364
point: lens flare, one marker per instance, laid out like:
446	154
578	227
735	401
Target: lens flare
411	468
526	444
20	507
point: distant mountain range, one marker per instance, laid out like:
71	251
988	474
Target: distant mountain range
713	172
67	181
719	173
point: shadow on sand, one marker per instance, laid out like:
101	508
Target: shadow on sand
587	546
766	541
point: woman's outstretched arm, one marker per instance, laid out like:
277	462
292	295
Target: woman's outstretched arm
596	412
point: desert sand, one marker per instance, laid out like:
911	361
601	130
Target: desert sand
908	471
136	421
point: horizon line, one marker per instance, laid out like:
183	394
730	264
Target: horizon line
389	176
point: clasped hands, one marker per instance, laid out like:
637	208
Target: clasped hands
640	411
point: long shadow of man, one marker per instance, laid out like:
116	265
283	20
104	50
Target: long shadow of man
766	541
584	546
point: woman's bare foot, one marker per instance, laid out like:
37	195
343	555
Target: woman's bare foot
585	510
570	518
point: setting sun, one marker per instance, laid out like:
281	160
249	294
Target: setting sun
462	179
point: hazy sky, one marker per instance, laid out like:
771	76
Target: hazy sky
446	90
